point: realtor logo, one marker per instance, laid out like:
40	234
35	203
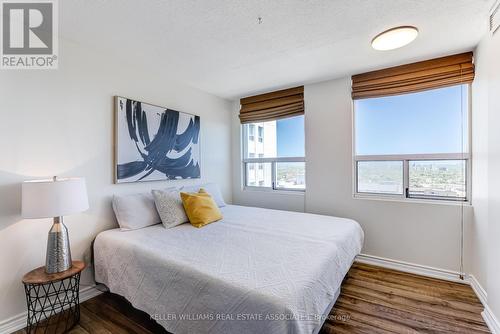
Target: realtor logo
29	34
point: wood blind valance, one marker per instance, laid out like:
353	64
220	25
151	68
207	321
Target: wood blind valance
424	75
272	106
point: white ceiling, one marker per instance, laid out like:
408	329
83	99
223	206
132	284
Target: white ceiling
218	46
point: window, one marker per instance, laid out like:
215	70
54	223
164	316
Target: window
438	179
413	145
290	175
277	161
380	177
251	132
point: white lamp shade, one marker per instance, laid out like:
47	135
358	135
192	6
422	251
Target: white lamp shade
48	198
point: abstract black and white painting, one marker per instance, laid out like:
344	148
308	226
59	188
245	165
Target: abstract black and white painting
155	143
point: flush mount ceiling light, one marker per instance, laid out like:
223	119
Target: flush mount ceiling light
394	38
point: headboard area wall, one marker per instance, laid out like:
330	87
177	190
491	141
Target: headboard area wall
60	122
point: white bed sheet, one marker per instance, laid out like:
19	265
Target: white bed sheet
256	271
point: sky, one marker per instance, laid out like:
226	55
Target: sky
418	123
290	133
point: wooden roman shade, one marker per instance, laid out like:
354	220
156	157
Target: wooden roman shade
429	74
271	106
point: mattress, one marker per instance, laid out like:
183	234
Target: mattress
255	271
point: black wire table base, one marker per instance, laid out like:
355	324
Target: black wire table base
53	307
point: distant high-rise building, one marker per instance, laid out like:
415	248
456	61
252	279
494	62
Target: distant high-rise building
261	143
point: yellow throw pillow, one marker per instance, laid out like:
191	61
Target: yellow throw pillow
200	208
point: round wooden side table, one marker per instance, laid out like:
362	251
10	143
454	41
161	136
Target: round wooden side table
53	299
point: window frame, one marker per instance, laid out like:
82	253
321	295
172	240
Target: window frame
406	158
273	161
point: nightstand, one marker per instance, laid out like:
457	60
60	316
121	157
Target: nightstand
53	299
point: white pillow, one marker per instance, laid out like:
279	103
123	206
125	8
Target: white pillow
170	208
211	188
135	211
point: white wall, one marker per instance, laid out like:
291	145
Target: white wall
61	122
427	234
477	232
484	235
493	285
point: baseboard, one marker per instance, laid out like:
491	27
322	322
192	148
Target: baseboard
13	324
18	322
478	289
89	292
491	320
488	316
411	268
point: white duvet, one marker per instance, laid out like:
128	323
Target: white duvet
256	271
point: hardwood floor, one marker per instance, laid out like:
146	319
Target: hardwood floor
377	300
373	300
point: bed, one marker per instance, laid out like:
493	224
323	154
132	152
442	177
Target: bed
255	271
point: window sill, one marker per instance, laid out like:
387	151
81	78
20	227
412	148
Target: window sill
410	200
275	191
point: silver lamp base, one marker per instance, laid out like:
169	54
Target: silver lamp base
58	252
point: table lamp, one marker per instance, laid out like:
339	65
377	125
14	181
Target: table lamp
54	199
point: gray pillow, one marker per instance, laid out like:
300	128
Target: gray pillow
135	211
170	208
211	188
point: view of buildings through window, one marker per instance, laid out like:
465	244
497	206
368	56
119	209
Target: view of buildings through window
413	145
260	174
280	146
